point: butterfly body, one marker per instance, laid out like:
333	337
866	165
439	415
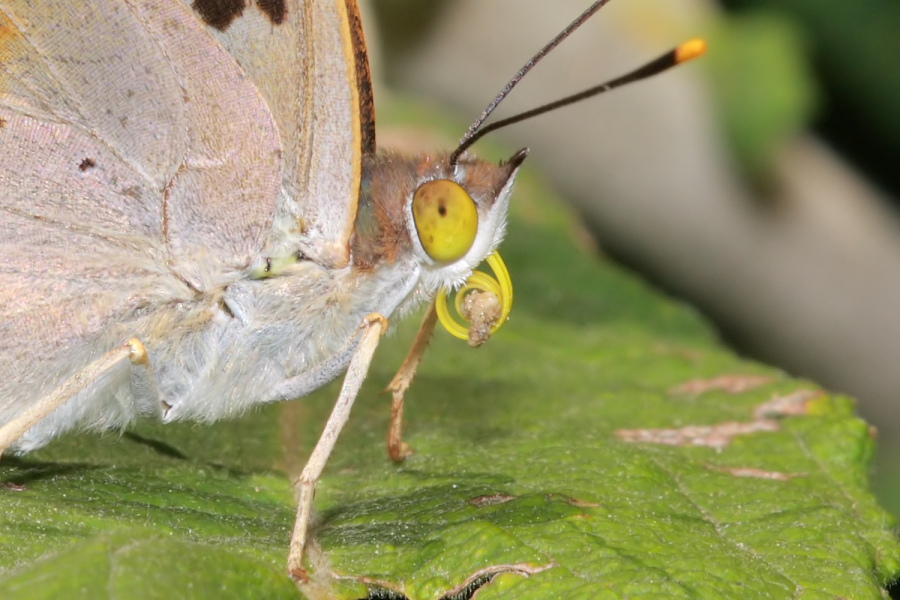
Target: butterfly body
195	220
275	330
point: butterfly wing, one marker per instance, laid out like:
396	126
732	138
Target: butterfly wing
308	60
136	160
147	81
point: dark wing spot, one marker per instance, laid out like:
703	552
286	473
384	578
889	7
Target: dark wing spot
219	13
276	10
132	191
86	164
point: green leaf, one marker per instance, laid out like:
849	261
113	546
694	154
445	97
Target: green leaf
539	469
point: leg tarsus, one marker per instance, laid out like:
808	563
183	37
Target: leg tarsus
398	450
372	330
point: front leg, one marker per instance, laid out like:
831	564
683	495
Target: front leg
372	330
398	450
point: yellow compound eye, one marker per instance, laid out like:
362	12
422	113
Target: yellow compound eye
446	219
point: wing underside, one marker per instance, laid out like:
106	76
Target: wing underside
138	165
145	149
309	61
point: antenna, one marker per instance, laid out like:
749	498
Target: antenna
683	53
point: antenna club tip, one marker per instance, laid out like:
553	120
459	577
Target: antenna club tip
690	50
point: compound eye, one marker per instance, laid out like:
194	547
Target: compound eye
446	219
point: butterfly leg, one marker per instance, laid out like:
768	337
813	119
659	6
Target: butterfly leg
398	450
374	327
142	381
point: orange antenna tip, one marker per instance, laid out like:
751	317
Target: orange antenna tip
690	50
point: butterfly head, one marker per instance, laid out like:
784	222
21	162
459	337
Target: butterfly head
444	215
456	215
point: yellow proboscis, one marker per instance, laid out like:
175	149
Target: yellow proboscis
501	286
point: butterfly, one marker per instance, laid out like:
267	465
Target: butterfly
196	220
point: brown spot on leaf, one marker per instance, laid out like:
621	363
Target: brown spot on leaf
719	436
468	589
572	501
794	404
491	500
711	436
758	473
88	163
482	577
582	503
731	384
219	13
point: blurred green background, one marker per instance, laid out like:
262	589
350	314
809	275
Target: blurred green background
851	50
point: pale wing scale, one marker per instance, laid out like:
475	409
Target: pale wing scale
93	64
57	315
269	55
336	136
25	84
181	113
305	67
220	204
61	175
81	251
92	147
